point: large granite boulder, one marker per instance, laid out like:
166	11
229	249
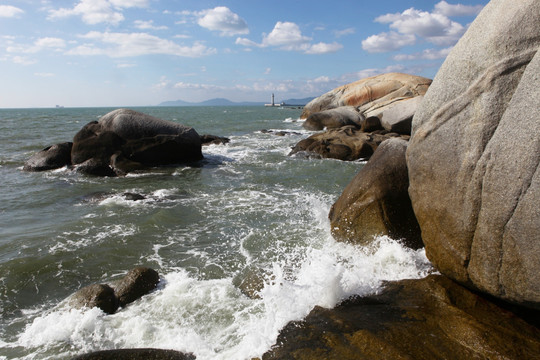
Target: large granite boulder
376	201
52	157
395	116
430	318
138	139
474	156
334	118
375	91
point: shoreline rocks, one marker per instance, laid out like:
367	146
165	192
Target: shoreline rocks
136	354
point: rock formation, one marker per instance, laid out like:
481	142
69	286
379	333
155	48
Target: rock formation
376	201
474	156
135	354
52	157
430	318
137	283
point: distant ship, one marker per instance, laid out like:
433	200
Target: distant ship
59	106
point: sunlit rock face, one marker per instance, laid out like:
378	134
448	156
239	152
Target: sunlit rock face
474	154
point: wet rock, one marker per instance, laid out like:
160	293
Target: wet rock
52	157
137	283
376	91
333	118
133	196
376	201
474	156
280	132
134	138
136	354
346	143
430	318
95	167
214	140
250	282
96	295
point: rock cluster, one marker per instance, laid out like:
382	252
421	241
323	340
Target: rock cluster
360	116
123	141
137	283
135	354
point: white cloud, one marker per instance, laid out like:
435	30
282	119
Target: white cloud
222	19
40	74
434	27
98	11
449	10
23	60
387	41
148	25
136	44
125	66
288	36
427	54
267	71
192	86
9	11
39	45
344	32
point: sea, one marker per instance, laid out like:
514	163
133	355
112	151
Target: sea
247	211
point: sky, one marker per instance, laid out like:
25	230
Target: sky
87	53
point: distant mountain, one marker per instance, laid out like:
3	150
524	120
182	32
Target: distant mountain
225	102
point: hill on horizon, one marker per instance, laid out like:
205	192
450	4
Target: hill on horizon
226	102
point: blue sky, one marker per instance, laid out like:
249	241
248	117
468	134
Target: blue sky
143	52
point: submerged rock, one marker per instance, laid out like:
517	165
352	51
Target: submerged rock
139	140
376	201
214	140
474	156
430	318
52	157
136	354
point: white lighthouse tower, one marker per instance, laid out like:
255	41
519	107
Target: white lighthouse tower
272	103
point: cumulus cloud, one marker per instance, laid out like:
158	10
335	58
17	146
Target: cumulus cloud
148	25
288	36
449	10
9	11
98	11
40	44
222	19
136	44
387	41
427	54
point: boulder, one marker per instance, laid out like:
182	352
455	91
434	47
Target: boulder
137	283
474	156
333	118
346	143
136	140
376	201
395	116
135	354
379	89
52	157
96	295
430	318
214	140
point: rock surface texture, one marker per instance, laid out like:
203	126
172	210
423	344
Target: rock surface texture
474	156
376	201
430	318
124	140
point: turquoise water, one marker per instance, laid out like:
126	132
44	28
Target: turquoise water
246	208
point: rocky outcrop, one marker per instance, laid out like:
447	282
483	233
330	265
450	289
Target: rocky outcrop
347	143
214	140
135	284
135	354
52	157
139	140
430	318
376	201
369	94
334	118
474	156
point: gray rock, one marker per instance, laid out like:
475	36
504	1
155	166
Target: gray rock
474	155
376	201
333	118
397	115
52	157
96	295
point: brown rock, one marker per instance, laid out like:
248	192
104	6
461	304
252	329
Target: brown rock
374	90
333	118
474	156
136	354
96	295
376	201
431	318
137	283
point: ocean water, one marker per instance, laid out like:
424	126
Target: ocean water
246	210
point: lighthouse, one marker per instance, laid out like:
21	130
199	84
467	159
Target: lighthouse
272	103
